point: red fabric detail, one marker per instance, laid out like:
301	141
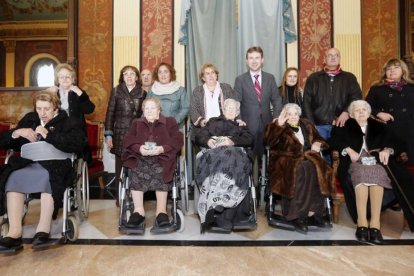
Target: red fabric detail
3	152
258	88
338	187
93	131
96	167
411	169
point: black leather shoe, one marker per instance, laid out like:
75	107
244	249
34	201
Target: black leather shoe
40	238
162	220
362	234
7	243
375	236
301	225
135	220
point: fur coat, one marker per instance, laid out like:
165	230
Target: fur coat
286	154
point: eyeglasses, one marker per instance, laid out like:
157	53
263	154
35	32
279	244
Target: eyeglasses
64	77
129	74
332	55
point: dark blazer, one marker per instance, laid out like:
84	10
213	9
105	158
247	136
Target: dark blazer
164	132
258	114
65	133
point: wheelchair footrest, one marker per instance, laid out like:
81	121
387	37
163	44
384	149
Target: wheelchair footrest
164	230
51	243
218	230
132	231
248	224
12	250
279	222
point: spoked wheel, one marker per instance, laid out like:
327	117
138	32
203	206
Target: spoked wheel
184	188
85	190
72	231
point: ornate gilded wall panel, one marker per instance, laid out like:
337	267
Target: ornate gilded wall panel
156	32
95	52
379	38
315	34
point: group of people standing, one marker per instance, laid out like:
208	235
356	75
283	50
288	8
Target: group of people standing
143	128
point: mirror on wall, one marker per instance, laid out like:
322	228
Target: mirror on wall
34	37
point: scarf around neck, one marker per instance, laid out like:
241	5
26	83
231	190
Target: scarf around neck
165	89
395	85
211	101
333	72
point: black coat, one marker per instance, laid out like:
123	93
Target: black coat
324	100
378	136
78	107
400	104
64	133
220	126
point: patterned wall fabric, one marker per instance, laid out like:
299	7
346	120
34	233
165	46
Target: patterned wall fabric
156	32
315	34
379	38
95	52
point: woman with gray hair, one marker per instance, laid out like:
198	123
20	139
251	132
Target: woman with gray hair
223	171
297	171
366	146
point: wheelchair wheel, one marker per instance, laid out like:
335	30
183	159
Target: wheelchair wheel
85	190
4	229
72	231
180	221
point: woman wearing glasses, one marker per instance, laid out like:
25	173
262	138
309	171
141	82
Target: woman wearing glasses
73	100
125	104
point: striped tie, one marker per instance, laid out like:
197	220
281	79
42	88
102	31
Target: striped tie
257	87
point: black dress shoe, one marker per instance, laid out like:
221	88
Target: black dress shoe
40	238
375	236
135	220
162	220
8	243
301	225
362	234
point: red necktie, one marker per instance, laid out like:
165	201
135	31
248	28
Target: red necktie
258	88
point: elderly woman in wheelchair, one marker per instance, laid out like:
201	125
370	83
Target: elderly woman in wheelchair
50	178
297	171
150	149
223	172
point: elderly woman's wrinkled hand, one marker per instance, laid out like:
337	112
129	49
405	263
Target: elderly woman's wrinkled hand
282	118
42	131
27	133
385	116
211	143
241	123
316	147
352	154
384	155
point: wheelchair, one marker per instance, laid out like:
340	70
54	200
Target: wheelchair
179	191
250	201
268	201
75	198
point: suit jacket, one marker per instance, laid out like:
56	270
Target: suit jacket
257	114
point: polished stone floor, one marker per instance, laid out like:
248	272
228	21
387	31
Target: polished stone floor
102	250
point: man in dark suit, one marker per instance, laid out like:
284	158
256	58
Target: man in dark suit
256	91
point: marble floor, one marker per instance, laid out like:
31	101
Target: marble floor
102	250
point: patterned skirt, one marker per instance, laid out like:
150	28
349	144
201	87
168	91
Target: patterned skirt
369	174
147	176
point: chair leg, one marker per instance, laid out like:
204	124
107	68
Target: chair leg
101	182
335	210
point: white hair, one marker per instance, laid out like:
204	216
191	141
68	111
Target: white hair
352	105
294	106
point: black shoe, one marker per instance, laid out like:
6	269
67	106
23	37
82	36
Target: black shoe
40	238
375	236
246	223
362	234
223	223
301	225
9	243
319	221
135	220
162	220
